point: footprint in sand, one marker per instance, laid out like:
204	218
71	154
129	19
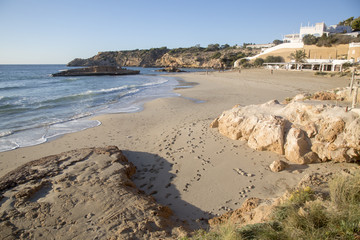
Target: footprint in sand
186	187
243	173
244	192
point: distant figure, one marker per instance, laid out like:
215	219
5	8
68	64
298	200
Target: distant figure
239	69
221	67
271	71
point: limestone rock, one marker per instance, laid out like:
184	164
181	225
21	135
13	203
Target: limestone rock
315	132
324	96
268	135
352	134
329	129
278	166
229	125
310	157
296	146
301	97
215	123
80	194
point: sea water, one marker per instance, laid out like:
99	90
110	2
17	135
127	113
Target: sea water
35	107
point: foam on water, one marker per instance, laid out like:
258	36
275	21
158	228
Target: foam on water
35	107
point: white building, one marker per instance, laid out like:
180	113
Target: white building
322	65
317	30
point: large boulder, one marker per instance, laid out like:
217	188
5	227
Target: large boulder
315	132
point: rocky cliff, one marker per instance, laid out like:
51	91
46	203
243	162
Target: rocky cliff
194	57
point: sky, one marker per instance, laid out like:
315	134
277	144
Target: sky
57	31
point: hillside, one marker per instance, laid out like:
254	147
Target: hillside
193	57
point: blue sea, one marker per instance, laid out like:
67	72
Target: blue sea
35	107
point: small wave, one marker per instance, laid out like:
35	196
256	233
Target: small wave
131	92
8	145
6	133
105	90
161	81
12	109
71	79
10	88
81	115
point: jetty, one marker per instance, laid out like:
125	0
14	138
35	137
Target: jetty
96	71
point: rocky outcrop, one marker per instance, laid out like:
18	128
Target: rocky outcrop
189	60
302	131
339	94
80	194
96	71
194	57
138	58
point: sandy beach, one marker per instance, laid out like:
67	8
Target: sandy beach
180	160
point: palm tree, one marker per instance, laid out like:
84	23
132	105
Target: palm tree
299	56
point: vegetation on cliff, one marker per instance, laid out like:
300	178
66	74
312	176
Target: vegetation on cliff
213	56
330	40
354	23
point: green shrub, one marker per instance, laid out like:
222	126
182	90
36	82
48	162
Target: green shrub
259	62
303	216
216	55
310	39
224	231
301	196
274	59
346	65
345	190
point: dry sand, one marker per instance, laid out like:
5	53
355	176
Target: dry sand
182	162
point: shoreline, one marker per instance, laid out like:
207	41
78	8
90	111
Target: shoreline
182	162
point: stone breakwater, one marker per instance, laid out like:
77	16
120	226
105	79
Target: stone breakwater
83	194
305	132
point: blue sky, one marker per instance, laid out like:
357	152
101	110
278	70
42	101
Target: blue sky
57	31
